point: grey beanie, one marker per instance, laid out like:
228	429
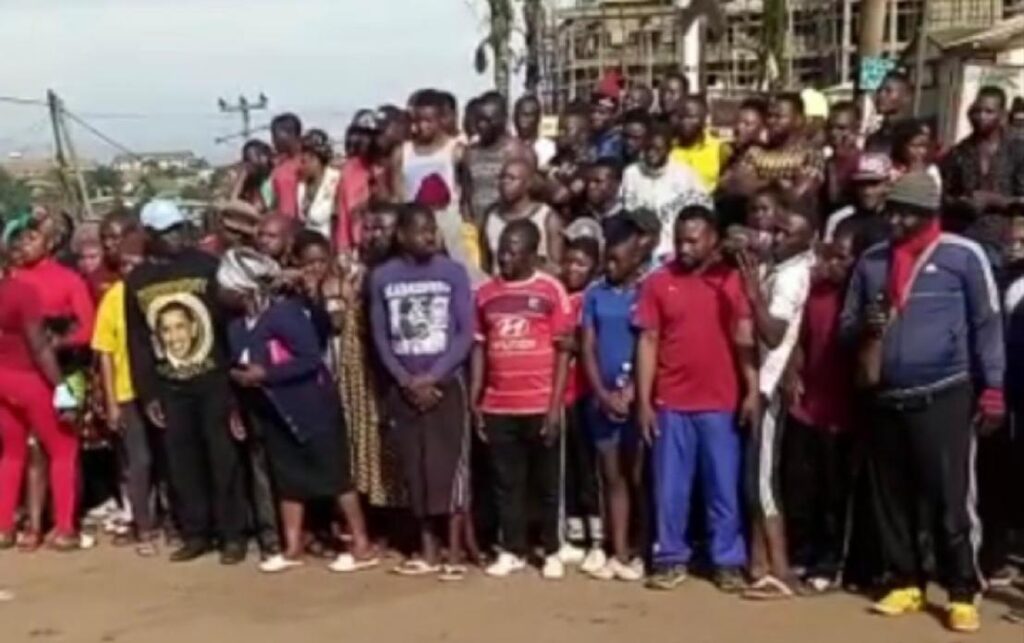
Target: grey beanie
918	190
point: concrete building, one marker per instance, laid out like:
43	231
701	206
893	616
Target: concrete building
643	39
821	43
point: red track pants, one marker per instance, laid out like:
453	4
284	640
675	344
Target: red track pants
26	404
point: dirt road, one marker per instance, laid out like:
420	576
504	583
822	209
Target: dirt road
107	595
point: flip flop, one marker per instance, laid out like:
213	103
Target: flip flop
347	564
277	564
147	549
453	573
415	567
29	541
768	588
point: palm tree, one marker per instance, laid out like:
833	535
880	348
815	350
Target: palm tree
498	40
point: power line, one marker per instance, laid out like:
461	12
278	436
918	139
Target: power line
14	100
100	135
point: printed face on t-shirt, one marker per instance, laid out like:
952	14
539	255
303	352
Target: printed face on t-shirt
418	316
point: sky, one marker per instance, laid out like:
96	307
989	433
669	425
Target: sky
148	73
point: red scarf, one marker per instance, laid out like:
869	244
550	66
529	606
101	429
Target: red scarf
904	256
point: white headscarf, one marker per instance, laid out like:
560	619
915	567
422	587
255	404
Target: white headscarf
245	271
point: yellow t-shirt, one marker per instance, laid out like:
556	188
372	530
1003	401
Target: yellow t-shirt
110	335
705	158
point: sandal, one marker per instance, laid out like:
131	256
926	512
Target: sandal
453	573
768	588
277	564
347	563
29	541
64	542
147	548
415	567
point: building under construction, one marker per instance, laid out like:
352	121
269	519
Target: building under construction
645	39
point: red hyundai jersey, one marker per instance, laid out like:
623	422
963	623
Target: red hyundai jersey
518	323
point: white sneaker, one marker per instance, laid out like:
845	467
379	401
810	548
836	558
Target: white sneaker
553	568
571	555
616	570
596	528
505	564
594	561
574	529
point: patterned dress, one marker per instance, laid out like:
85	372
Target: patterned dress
375	467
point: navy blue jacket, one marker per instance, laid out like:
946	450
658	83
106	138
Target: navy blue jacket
950	330
300	388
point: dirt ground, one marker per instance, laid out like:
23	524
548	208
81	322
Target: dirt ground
107	595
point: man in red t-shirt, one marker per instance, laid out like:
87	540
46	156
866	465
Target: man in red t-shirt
696	345
519	370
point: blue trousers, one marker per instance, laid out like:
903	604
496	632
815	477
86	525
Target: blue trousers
688	444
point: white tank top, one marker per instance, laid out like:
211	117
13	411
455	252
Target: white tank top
496	225
417	166
317	210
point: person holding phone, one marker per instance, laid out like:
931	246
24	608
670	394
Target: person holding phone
926	306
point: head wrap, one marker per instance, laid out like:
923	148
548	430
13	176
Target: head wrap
17	224
245	271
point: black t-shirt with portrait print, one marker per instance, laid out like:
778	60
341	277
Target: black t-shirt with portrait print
175	324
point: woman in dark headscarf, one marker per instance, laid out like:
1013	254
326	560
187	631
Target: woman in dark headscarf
287	389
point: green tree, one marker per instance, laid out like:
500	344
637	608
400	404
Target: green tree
104	180
15	196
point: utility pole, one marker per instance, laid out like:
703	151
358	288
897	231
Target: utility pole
872	36
244	107
66	157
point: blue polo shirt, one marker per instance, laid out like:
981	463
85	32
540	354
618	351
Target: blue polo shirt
608	311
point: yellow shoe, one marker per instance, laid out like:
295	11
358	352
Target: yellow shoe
963	617
900	601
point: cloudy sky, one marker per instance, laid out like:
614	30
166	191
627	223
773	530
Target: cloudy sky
149	72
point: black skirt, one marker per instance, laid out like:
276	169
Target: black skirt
318	466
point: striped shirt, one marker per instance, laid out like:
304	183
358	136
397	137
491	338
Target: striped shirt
518	323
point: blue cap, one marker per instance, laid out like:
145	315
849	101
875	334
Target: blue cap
161	215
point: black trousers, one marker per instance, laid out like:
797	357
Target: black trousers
1000	479
525	469
581	489
204	462
816	485
921	460
258	479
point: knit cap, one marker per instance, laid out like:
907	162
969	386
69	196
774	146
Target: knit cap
917	190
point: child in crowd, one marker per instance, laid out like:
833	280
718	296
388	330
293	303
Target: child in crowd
582	508
123	416
519	368
816	446
609	347
777	301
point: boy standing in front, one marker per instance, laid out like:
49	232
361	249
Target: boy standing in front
519	369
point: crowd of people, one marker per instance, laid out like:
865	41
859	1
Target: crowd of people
789	362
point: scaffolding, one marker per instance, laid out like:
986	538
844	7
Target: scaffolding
639	38
644	40
821	44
